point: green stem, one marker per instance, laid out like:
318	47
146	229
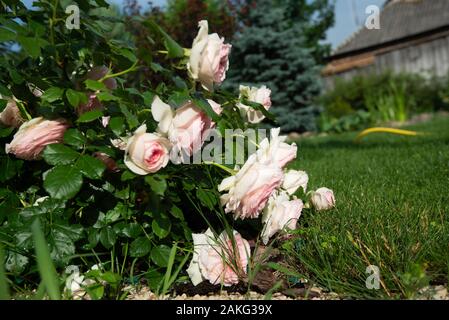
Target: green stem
113	75
230	171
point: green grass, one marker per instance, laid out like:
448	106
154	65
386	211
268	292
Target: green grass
392	211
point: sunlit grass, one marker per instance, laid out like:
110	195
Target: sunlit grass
392	211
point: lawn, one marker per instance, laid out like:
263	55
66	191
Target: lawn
392	212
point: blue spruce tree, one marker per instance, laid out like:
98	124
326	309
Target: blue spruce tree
279	49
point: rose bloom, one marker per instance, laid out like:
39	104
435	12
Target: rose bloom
146	152
259	95
295	179
323	199
187	128
218	260
34	135
96	73
280	213
10	116
208	61
250	189
276	150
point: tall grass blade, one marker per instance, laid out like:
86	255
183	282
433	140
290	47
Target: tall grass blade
44	262
4	288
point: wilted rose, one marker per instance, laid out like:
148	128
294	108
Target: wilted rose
10	116
293	180
280	213
34	135
208	61
218	260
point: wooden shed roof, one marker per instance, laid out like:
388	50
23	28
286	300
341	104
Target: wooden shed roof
399	19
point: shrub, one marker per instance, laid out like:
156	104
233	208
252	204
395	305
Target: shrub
97	157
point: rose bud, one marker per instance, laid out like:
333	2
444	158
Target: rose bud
323	199
34	135
10	116
208	58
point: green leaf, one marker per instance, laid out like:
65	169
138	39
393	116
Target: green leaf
90	116
6	132
63	182
140	247
46	268
157	183
7	35
107	237
127	175
91	167
52	94
260	108
56	154
176	212
207	198
61	244
94	85
8	168
117	125
204	105
75	98
95	291
160	254
32	46
106	96
161	226
173	48
75	138
4	287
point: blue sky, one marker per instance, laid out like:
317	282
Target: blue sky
345	24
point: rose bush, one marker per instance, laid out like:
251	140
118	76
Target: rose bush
91	152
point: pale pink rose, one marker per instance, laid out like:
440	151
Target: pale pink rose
96	73
218	260
323	199
208	61
250	189
260	95
10	116
295	179
280	213
276	150
187	128
146	152
34	135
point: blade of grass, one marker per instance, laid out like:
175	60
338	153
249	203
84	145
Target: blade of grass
171	261
4	288
44	262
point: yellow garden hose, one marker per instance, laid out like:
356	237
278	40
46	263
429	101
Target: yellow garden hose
386	130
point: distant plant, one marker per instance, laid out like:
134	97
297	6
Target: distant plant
279	49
